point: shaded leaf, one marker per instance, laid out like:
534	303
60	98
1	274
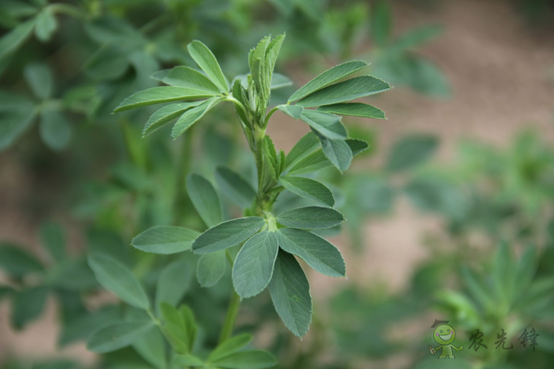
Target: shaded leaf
254	264
193	115
230	346
45	25
235	187
326	78
16	261
173	283
117	335
53	240
116	278
39	77
309	189
290	293
165	115
15	38
151	346
411	151
345	91
165	239
211	267
28	305
354	109
291	110
157	95
227	234
183	76
307	144
311	217
55	130
254	359
319	253
205	199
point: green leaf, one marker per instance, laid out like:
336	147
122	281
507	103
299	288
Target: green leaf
338	152
53	240
411	151
418	36
39	77
188	360
211	267
279	81
345	91
160	75
193	115
115	277
254	359
227	234
173	283
319	253
254	264
235	187
525	271
381	23
326	78
179	326
151	346
28	305
117	335
326	124
208	63
354	109
271	155
291	110
307	144
15	38
205	199
309	189
162	94
55	130
17	262
312	217
165	115
165	239
14	123
290	293
230	346
357	146
182	76
46	25
311	163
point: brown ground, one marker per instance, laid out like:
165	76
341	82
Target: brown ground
499	70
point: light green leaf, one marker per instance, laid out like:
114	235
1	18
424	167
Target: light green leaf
55	130
39	78
115	277
254	359
254	264
151	346
290	293
307	144
326	78
326	124
204	199
15	38
182	76
188	360
173	283
193	115
338	152
309	189
46	25
208	63
157	95
411	151
117	335
279	81
160	75
319	253
211	267
230	346
16	261
354	109
53	240
345	91
235	187
227	234
312	217
28	305
165	115
179	326
291	110
165	239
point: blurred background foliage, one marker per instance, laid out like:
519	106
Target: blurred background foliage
64	66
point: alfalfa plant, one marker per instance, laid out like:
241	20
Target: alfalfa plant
261	246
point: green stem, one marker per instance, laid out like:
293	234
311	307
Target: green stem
232	311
